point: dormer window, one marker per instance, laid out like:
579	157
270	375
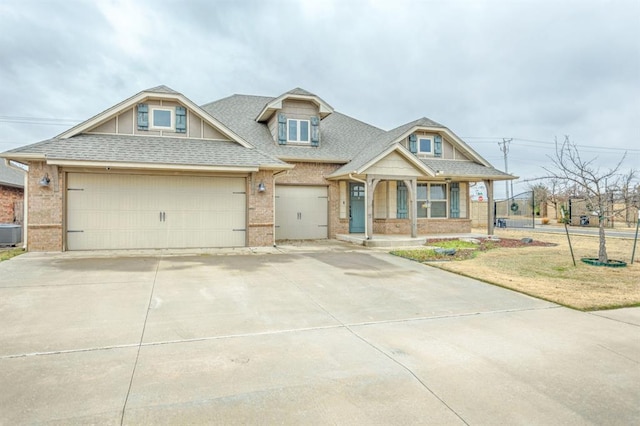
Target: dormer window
162	118
173	119
425	145
298	130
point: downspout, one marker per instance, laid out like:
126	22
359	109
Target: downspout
366	205
276	175
25	200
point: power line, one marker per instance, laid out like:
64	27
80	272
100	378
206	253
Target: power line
493	140
504	147
47	121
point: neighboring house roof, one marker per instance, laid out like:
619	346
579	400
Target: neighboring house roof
149	150
10	176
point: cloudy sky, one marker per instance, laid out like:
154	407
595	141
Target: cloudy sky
487	69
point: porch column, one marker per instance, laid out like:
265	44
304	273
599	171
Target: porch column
372	183
490	207
412	189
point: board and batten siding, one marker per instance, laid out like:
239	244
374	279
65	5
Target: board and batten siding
393	165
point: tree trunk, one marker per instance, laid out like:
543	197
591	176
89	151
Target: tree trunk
602	252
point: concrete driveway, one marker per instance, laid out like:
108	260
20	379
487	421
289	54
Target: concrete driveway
336	335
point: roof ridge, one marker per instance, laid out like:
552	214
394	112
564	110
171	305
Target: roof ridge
162	89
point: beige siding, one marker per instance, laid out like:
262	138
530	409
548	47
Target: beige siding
273	126
107	127
299	109
118	211
343	200
447	149
301	212
393	165
211	133
380	201
194	126
393	199
126	121
464	199
461	156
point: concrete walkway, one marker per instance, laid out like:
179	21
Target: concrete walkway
303	334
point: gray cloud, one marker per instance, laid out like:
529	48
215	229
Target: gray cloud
526	69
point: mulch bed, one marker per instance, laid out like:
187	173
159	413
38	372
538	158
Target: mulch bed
487	243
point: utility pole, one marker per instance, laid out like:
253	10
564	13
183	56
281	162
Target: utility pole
504	147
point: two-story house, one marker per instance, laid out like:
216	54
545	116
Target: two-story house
158	171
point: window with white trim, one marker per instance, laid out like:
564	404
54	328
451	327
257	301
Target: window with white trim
425	145
432	200
162	118
298	130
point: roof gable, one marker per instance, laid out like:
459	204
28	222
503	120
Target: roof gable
370	158
424	124
159	93
394	162
295	94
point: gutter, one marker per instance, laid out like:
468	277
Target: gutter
276	175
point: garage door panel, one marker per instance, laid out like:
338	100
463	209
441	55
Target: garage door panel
144	211
301	212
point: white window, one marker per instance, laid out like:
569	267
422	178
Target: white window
162	118
425	145
298	131
432	200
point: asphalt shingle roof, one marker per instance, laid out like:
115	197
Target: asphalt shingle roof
149	149
343	140
459	168
342	137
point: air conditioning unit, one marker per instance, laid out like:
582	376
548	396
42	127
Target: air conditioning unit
10	234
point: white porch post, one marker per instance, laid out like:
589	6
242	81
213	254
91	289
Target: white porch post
372	183
412	188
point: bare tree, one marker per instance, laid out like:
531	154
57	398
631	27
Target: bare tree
629	193
540	198
589	182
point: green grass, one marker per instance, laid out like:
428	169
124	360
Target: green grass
8	254
456	244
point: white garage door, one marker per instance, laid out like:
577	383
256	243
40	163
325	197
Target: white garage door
301	212
117	211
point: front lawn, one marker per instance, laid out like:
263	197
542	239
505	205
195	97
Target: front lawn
544	268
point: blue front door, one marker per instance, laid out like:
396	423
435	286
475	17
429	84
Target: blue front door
356	208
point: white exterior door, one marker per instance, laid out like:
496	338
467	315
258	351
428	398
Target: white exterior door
301	212
119	211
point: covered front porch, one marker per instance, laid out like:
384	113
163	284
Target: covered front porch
377	206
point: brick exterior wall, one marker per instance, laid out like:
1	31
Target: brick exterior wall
260	210
8	197
425	226
45	203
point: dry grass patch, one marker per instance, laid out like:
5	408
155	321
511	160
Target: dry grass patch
6	254
548	272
